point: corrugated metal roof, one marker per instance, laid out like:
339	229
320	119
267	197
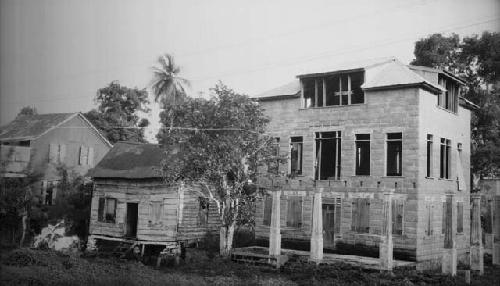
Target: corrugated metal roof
32	126
130	161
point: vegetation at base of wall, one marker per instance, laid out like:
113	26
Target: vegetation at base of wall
476	59
117	114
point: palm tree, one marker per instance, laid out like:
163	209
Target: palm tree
168	88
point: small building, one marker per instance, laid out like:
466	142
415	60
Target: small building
131	202
40	143
358	131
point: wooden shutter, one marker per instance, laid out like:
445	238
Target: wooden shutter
443	219
53	152
62	153
100	210
268	207
365	215
110	210
156	212
90	158
355	215
397	217
82	160
460	217
294	212
338	215
448	234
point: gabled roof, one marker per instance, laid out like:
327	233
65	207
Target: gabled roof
31	127
288	90
130	160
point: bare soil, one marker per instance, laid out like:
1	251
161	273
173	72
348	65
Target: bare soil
43	267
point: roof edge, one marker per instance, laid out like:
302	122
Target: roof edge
95	129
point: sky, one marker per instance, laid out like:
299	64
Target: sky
55	54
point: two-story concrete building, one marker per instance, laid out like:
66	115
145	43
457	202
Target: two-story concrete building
357	131
38	144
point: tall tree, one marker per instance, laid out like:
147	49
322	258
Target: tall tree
168	87
27	111
477	60
117	113
222	143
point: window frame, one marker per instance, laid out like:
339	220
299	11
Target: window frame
386	159
299	143
445	159
460	217
357	225
290	223
357	154
267	204
318	140
102	211
430	156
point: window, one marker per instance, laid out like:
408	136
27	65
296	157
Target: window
339	89
268	208
155	214
394	154
86	156
429	213
328	155
107	210
274	165
204	205
449	99
294	211
361	215
429	156
49	189
296	155
397	216
460	217
363	154
447	222
57	152
445	159
332	215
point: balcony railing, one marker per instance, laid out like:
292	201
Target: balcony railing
14	160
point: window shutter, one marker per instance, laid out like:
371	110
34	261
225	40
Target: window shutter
100	210
156	208
268	205
82	155
62	152
366	215
355	215
90	159
53	150
338	215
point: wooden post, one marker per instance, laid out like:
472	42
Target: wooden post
275	235
449	259
496	231
386	245
476	249
316	254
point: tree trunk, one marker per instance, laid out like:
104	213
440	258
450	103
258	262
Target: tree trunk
226	240
24	220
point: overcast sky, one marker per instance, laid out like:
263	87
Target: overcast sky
55	54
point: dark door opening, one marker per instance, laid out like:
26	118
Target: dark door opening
328	225
132	218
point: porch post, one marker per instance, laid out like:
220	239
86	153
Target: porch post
274	235
476	248
386	246
449	259
317	227
496	230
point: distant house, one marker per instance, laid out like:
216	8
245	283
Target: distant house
359	130
40	143
132	204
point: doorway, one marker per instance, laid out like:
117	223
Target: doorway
331	211
132	218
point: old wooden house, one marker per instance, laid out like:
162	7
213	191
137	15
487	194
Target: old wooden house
359	131
132	204
41	143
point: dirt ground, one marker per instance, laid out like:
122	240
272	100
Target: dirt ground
42	267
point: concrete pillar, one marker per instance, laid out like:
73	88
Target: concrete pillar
496	231
317	228
91	243
449	260
386	246
275	235
476	248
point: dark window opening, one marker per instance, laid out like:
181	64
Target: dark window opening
394	154
449	98
203	209
460	217
339	89
357	79
328	155
332	86
309	92
429	156
445	157
429	218
362	154
107	210
296	146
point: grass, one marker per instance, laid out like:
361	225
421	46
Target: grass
44	267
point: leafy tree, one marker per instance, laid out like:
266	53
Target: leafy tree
477	60
117	114
26	111
168	86
220	148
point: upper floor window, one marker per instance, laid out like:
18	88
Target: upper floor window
363	154
328	155
429	156
296	155
86	156
449	99
338	89
57	152
394	154
445	159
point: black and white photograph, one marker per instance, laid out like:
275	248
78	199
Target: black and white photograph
266	142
